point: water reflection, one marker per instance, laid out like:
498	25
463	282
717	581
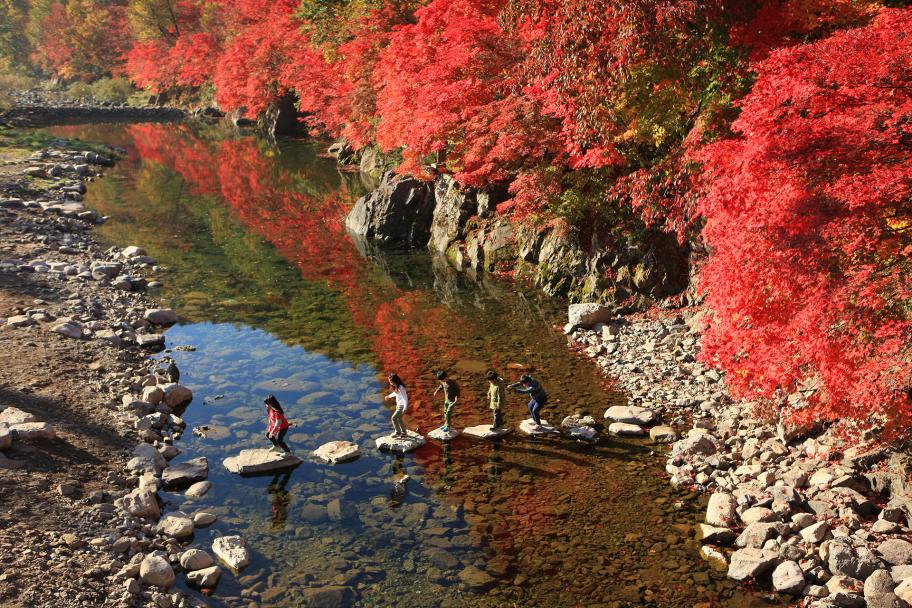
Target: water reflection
277	299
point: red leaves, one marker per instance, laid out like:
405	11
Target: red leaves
807	279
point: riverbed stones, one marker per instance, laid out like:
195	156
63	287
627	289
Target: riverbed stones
232	550
150	340
630	414
896	551
484	431
202	519
788	578
68	329
587	314
195	559
722	510
33	431
13	415
815	533
199	489
260	460
662	434
581	427
6	437
529	427
714	535
176	395
750	563
140	503
185	473
623	429
205	577
476	578
330	596
155	570
176	525
160	316
439	434
337	451
392	443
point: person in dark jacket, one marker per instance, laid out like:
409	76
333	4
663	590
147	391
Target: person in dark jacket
450	397
537	395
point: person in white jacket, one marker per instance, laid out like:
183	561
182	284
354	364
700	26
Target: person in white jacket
401	398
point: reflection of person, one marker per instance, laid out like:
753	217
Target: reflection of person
450	397
279	498
496	393
276	425
401	397
537	395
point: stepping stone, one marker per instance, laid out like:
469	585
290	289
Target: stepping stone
439	435
580	427
401	444
625	430
630	414
337	451
260	460
529	427
185	473
483	431
233	552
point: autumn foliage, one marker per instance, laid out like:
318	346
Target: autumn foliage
775	132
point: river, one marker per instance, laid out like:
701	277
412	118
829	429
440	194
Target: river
274	297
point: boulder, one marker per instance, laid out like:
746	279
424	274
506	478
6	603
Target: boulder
721	510
175	525
845	560
205	577
454	206
331	596
758	515
878	582
484	431
68	329
788	578
896	551
904	590
337	451
13	415
815	533
185	473
714	535
751	563
203	519
150	340
160	316
150	453
756	535
397	214
439	435
232	550
401	444
33	430
662	434
176	395
155	570
260	460
153	394
140	503
630	414
693	445
529	427
588	314
623	429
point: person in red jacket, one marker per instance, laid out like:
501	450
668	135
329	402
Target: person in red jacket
276	424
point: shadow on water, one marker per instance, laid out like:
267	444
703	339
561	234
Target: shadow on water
276	298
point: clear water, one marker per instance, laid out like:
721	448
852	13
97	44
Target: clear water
276	298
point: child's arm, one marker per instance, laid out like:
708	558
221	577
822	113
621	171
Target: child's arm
437	390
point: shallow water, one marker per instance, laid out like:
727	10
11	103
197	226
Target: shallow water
276	298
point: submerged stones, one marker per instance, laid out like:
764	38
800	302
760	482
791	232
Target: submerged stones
232	550
260	460
401	444
337	451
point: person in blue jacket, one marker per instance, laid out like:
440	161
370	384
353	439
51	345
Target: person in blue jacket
537	395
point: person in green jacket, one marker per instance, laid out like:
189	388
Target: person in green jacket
450	397
497	389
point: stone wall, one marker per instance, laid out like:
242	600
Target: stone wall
462	224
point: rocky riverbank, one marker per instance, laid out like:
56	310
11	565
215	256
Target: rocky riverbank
79	522
797	509
33	109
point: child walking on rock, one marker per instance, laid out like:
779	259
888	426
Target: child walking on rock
276	425
496	395
401	397
450	397
537	395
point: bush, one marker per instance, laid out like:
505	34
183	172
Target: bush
79	90
116	90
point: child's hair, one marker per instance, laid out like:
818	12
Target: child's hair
525	378
441	375
396	381
491	375
272	402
